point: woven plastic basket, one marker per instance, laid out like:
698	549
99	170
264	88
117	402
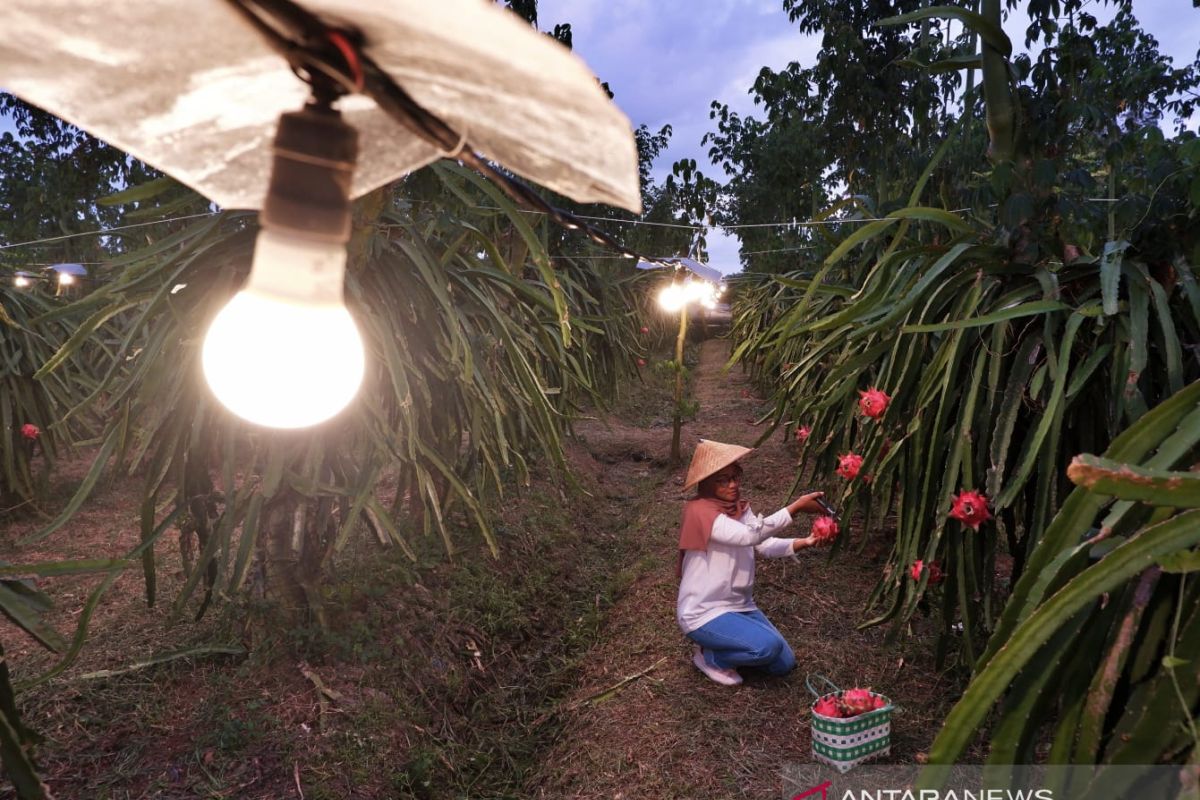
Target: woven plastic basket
843	743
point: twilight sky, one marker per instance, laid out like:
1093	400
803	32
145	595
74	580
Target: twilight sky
666	61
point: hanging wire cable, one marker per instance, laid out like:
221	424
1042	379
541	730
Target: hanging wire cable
105	231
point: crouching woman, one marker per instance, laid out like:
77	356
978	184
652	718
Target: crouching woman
718	541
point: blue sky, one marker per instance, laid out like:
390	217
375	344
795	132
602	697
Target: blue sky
667	61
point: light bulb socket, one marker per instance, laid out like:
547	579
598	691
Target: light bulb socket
309	192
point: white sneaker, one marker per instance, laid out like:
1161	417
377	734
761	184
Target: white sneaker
725	677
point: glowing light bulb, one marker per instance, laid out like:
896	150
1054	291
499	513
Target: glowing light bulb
673	297
285	352
21	282
65	279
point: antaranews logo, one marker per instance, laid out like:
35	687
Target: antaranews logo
821	789
825	791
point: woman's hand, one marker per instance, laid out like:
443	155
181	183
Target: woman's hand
800	544
806	503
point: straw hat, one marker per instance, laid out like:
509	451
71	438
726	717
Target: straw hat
710	458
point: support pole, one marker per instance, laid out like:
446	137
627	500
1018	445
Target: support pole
676	456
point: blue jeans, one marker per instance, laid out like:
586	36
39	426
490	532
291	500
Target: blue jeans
744	639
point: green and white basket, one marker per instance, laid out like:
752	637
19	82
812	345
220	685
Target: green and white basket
843	743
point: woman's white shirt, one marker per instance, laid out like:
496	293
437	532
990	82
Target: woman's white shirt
721	579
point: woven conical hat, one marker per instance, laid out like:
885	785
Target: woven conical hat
710	458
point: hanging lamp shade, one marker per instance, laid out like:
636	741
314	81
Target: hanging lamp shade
690	264
193	90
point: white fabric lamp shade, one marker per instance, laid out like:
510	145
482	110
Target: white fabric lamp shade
192	89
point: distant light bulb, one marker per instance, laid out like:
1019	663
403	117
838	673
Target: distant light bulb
673	297
65	279
20	281
285	352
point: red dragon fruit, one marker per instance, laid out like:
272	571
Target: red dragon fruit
824	529
645	329
827	707
919	567
30	431
879	702
849	465
641	362
873	402
857	701
971	509
803	432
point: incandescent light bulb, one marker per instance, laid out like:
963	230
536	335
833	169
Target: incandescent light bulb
285	352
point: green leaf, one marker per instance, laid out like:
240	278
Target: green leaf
865	233
85	489
15	605
952	64
1132	482
991	682
1186	561
989	31
50	569
18	766
937	215
1022	310
142	191
1110	274
199	651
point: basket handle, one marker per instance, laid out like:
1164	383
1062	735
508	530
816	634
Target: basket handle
808	682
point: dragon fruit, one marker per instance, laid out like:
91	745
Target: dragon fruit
879	702
971	509
873	402
824	529
827	707
919	567
30	431
641	362
803	432
849	465
857	701
645	329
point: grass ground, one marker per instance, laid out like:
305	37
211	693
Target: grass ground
553	671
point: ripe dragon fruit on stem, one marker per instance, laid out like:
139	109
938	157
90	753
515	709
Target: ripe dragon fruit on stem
919	567
873	402
971	509
849	465
803	432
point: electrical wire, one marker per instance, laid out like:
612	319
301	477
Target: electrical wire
105	231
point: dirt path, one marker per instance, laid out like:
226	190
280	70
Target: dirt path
670	733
